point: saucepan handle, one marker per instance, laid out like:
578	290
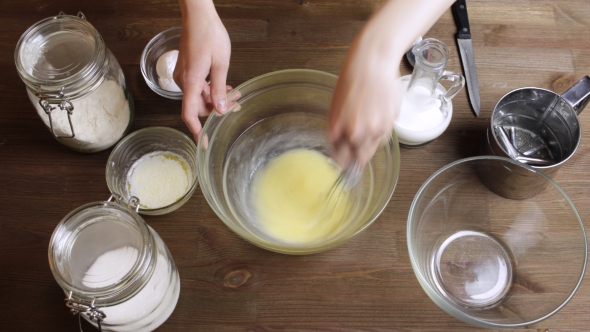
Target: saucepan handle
578	95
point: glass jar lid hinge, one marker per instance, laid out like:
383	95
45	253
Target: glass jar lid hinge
79	14
133	203
48	99
78	307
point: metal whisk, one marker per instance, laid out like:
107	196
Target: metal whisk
349	177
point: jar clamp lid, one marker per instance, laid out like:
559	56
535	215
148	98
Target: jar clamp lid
88	232
61	58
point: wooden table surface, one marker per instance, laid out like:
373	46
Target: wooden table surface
228	284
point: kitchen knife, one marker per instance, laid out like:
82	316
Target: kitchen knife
466	50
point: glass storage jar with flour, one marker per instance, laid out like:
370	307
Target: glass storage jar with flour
114	269
74	82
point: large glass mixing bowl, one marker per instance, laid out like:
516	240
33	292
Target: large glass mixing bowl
490	260
277	112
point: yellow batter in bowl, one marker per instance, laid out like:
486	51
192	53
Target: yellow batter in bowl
291	196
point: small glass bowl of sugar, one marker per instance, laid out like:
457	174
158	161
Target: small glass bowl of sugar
158	61
153	168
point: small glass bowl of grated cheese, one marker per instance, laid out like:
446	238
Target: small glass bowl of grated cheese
156	165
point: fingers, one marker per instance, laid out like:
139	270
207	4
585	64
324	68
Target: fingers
209	104
364	153
342	153
207	98
362	113
192	105
232	102
344	127
218	87
362	149
204	49
357	134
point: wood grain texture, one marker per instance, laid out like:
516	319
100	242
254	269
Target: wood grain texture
227	284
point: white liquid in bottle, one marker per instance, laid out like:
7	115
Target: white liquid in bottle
421	119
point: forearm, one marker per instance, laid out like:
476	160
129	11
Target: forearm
189	8
367	97
401	22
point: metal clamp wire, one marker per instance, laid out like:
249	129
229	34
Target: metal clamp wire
79	307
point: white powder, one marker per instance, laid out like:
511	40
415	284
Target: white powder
99	119
165	69
109	268
166	64
168	84
159	179
147	309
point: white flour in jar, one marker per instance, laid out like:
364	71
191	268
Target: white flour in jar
159	179
99	119
147	309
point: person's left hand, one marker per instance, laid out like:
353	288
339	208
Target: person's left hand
204	50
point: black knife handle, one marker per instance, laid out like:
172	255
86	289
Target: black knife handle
460	10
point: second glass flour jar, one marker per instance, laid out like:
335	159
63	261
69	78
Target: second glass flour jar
114	269
74	82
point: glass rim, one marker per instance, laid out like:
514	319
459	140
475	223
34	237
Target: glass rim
143	66
215	115
435	43
87	78
134	279
497	110
431	292
141	132
392	147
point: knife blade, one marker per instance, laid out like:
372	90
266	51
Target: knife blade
466	51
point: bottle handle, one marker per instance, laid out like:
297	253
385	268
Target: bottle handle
459	83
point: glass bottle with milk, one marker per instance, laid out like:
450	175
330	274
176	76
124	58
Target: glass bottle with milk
426	109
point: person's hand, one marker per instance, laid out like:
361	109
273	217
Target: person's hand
205	50
368	94
366	100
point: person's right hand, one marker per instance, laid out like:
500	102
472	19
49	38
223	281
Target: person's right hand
205	49
368	95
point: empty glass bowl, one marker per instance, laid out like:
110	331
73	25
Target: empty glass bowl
489	260
140	143
278	112
163	42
